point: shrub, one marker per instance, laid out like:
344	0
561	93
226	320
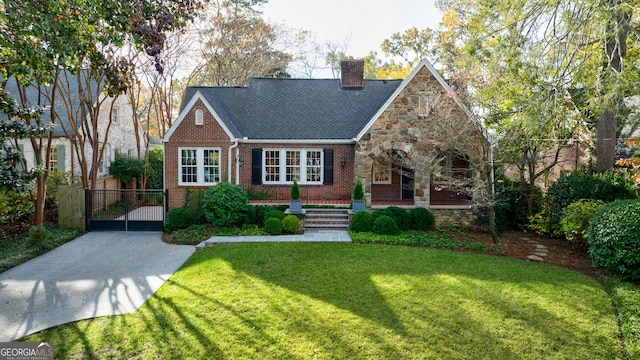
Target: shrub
256	214
290	224
272	214
126	168
154	170
614	238
295	190
380	212
178	218
385	225
14	206
543	223
575	222
194	203
511	205
401	216
225	204
358	193
361	221
421	219
273	226
608	186
398	214
39	236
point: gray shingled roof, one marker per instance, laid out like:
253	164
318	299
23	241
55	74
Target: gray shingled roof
293	109
33	96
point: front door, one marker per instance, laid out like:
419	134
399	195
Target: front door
407	184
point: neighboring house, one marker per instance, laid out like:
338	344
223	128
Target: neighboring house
325	133
63	157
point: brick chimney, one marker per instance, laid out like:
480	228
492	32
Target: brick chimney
352	74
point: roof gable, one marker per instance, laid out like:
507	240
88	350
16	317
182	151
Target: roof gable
423	64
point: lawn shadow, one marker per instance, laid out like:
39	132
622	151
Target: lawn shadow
347	276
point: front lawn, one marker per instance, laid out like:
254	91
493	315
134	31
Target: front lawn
352	301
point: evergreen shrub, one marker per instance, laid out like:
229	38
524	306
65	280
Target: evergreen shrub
421	219
576	218
385	225
290	224
362	221
614	238
225	204
273	226
178	218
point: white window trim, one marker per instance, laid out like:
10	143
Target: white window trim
390	177
283	167
199	115
200	166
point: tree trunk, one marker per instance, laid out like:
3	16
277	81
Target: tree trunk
605	141
41	193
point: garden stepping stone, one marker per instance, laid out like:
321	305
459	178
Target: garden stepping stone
539	250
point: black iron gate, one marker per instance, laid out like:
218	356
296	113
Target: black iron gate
125	210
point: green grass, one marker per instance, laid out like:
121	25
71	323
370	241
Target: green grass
626	299
16	250
352	301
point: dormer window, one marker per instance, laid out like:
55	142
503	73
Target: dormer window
199	117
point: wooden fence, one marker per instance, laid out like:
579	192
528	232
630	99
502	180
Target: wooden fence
71	202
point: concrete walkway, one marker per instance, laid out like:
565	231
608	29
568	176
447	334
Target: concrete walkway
308	236
100	273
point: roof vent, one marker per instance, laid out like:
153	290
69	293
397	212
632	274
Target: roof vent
352	74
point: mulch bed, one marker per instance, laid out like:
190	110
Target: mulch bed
561	252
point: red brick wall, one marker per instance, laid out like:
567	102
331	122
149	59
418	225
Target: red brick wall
187	134
342	176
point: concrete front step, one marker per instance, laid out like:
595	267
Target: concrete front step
328	219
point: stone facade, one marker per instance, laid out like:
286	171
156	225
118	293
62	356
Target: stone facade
414	119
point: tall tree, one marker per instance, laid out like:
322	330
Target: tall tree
39	38
236	44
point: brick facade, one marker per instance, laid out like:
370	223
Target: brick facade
188	134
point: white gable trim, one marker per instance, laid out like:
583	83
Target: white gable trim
197	96
403	85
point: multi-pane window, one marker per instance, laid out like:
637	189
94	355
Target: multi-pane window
199	166
314	166
188	166
382	171
272	165
211	166
292	169
284	166
53	159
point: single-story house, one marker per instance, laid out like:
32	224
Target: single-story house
327	134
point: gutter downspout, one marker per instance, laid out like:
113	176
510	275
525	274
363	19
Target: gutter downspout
235	145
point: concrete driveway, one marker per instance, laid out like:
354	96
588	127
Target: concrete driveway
100	273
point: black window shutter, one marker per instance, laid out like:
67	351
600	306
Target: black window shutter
256	166
328	166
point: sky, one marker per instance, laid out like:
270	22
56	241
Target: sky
365	23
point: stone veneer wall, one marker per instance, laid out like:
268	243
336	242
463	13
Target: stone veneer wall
466	218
